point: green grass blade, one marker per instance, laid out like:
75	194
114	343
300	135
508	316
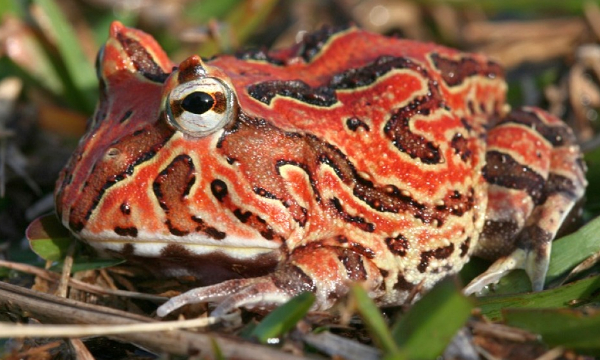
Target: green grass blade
242	20
80	70
202	11
48	238
579	293
11	7
569	251
592	194
572	329
373	320
284	318
427	328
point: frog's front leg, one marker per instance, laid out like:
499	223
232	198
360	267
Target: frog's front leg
536	175
326	271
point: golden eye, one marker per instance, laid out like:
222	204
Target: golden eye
201	107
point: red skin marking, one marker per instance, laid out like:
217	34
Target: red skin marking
517	202
527	144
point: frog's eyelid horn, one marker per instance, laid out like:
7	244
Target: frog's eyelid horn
201	107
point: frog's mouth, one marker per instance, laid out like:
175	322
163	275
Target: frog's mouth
211	261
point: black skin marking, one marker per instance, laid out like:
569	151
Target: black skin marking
402	284
501	169
258	55
368	74
324	159
354	123
264	193
341	239
556	135
461	147
125	208
126	116
242	216
268	234
174	230
534	238
214	233
142	60
366	252
208	230
292	279
188	187
175	195
560	184
325	96
355	269
296	89
358	221
397	129
126	231
457	204
455	72
464	247
312	43
439	253
398	245
219	189
416	146
497	237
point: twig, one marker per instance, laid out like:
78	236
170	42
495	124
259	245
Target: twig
79	285
52	309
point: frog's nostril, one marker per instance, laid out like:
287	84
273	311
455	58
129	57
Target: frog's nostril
113	152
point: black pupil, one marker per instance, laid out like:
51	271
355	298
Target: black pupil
198	102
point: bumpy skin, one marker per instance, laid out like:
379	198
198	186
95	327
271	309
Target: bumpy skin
350	157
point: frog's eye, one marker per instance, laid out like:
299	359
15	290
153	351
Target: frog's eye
200	107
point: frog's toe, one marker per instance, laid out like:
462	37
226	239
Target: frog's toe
218	292
263	293
535	264
259	296
495	272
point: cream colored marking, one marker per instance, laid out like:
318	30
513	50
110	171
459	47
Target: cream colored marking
149	244
330	40
516	155
286	172
393	72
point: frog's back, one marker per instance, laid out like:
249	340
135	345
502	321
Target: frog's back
329	63
383	137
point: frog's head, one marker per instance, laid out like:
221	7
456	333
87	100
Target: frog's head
147	178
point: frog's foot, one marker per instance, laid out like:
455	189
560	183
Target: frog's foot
325	271
535	264
536	176
250	293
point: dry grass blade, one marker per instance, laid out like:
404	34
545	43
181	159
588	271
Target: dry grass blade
583	266
52	309
515	42
502	332
77	284
335	345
